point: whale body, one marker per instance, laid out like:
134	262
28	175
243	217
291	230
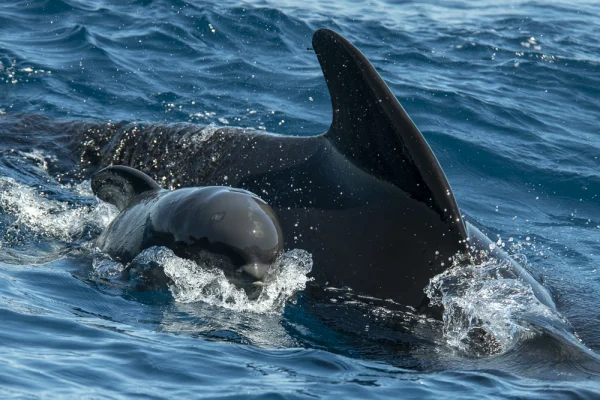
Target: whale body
231	229
368	198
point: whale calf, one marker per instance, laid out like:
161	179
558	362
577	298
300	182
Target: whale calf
368	198
231	229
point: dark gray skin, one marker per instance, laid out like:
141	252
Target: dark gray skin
368	199
232	229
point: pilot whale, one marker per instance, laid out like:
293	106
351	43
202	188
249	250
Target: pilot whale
231	229
368	198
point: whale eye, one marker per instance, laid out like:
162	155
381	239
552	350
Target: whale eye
217	217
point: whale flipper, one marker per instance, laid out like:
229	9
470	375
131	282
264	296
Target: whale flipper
371	128
119	184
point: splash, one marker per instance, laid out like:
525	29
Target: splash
487	307
38	214
13	75
192	282
104	266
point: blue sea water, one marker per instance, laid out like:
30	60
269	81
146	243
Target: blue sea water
506	93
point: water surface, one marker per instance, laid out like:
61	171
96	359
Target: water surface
507	96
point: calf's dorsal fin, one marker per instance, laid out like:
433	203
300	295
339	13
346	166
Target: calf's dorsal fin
119	184
371	129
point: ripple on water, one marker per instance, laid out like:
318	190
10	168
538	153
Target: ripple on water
506	96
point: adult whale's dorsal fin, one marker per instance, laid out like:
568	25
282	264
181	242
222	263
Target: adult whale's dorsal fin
119	184
371	129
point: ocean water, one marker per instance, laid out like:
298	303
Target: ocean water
506	93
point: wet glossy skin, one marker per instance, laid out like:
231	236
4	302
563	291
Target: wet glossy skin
219	220
367	198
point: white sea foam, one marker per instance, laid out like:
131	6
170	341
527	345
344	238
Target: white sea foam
104	266
193	282
487	307
40	215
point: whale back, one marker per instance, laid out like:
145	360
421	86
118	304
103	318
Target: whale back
368	199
